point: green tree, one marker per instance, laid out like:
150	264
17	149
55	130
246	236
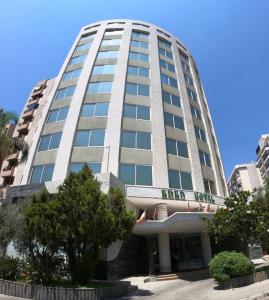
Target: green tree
10	221
90	220
77	222
10	144
239	219
260	208
38	238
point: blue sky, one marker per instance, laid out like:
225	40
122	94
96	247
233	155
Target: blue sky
229	40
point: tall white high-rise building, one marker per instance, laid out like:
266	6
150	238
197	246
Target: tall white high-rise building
129	102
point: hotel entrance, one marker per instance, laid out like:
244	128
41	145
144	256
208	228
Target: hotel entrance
186	252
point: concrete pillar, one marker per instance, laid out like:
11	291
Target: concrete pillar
164	243
206	247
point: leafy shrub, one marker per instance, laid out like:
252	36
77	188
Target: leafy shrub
9	267
226	265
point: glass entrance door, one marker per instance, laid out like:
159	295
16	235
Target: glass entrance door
186	252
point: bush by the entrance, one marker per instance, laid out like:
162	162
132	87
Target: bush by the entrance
226	265
9	267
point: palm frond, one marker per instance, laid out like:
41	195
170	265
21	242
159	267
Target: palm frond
20	145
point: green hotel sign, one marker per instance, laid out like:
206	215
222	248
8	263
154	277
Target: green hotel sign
170	194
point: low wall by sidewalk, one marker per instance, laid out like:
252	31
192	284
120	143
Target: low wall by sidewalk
245	280
38	292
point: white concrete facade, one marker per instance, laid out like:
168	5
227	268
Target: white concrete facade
245	177
171	70
263	156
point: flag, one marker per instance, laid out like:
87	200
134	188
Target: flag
154	216
201	207
206	208
142	218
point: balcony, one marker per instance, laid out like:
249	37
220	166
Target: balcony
23	128
28	115
33	101
13	157
38	93
7	173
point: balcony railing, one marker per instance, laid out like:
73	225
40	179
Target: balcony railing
28	115
13	157
38	93
8	173
23	128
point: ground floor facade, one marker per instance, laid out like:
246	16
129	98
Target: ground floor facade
169	235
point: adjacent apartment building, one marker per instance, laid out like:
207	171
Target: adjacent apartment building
245	177
129	102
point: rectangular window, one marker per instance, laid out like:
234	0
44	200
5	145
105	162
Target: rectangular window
210	187
191	95
188	79
185	67
177	148
137	89
167	66
196	113
139	35
83	47
136	174
99	109
133	139
138	71
164	43
89	138
173	121
94	166
168	80
114	32
65	92
77	59
87	36
139	112
50	141
171	99
165	53
205	158
99	87
107	54
200	134
136	56
138	44
111	42
41	173
104	69
180	180
71	74
58	115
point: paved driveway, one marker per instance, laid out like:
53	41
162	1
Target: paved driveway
191	287
4	297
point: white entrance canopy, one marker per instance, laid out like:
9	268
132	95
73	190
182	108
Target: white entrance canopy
179	222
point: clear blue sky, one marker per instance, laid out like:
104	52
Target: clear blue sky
229	40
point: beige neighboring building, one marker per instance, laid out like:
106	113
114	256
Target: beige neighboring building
128	101
245	177
28	122
263	156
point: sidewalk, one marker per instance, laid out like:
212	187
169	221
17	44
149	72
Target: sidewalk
193	290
